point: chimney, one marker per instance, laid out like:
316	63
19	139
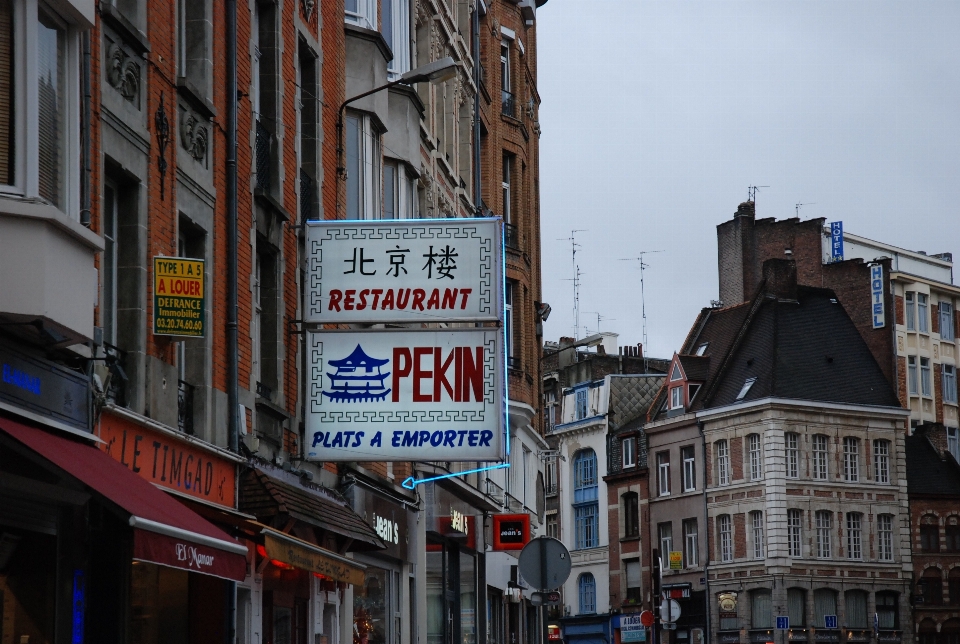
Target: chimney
936	433
780	278
746	209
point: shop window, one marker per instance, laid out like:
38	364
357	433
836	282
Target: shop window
761	608
728	620
28	585
371	607
587	587
495	633
797	606
887	605
855	603
824	603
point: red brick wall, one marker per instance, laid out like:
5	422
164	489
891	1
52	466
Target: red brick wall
902	381
901	314
708	462
736	458
333	82
938	389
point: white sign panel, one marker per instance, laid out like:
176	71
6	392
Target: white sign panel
411	270
406	395
876	296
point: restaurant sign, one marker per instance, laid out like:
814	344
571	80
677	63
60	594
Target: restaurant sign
406	395
312	558
435	270
178	296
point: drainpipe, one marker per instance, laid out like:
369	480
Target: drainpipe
85	134
476	110
706	528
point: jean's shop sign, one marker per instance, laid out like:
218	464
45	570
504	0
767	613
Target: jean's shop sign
437	270
406	395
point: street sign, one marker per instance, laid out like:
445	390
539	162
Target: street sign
545	599
876	623
435	270
405	395
669	626
647	618
669	610
829	621
544	563
676	560
178	296
783	622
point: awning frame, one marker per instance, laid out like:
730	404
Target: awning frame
179	533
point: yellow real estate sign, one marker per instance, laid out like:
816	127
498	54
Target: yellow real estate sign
178	296
676	560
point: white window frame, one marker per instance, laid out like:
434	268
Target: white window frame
926	386
851	459
628	451
824	523
756	522
691	555
745	389
885	537
910	310
953	442
723	462
854	536
755	448
949	378
506	181
724	528
506	80
665	536
663	473
26	129
364	16
399	33
821	457
108	300
923	309
795	532
881	461
913	378
369	162
688	457
945	311
792	449
676	397
581	403
508	325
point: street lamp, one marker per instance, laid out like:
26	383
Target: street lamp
437	71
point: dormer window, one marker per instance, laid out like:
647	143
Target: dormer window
676	397
693	389
702	349
747	384
676	374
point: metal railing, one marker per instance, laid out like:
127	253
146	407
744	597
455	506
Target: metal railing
263	157
306	195
509	102
511	236
185	407
550	489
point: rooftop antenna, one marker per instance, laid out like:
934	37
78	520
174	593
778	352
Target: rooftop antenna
752	192
643	302
576	278
600	318
809	203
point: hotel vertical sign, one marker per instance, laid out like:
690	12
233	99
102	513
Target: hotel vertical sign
178	296
876	296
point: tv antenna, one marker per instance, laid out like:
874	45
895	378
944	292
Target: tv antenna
752	193
600	318
643	304
809	203
576	278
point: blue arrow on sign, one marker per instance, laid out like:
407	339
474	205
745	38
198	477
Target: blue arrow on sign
411	483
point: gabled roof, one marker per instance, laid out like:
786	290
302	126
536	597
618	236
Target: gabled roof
927	472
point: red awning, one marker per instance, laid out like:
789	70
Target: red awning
166	532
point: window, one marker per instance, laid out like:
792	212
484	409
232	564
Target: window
362	166
581	404
505	80
953	442
794	532
887	610
688	457
395	17
307	122
676	374
854	535
946	321
797	606
691	555
932	585
726	538
851	459
922	320
108	265
820	469
527	468
723	462
702	349
634	580
361	12
631	514
756	458
745	388
793	455
929	534
509	331
824	603
949	383
761	608
855	602
10	91
912	386
756	525
824	524
885	537
506	185
953	586
587	587
628	449
911	306
52	108
552	526
586	508
550	468
676	397
663	473
881	461
925	387
266	337
665	534
952	530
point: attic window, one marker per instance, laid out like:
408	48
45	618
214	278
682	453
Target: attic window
676	374
745	388
692	391
676	397
702	349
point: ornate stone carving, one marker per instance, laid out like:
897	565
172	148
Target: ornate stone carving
123	73
193	136
307	7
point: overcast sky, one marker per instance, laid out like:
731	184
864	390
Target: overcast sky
657	116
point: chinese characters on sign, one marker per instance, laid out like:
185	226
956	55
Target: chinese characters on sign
409	271
178	301
836	241
876	296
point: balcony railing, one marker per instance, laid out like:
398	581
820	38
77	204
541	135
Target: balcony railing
509	103
263	157
511	236
185	407
306	195
550	489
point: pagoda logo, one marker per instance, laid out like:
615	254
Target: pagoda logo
358	379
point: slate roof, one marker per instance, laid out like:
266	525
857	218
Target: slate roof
697	368
266	497
927	472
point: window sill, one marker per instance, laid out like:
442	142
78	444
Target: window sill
126	29
630	539
40	210
269	201
197	100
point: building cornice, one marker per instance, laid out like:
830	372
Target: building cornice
805	405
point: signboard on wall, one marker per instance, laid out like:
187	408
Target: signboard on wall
876	296
836	241
510	531
406	395
178	296
676	559
437	270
